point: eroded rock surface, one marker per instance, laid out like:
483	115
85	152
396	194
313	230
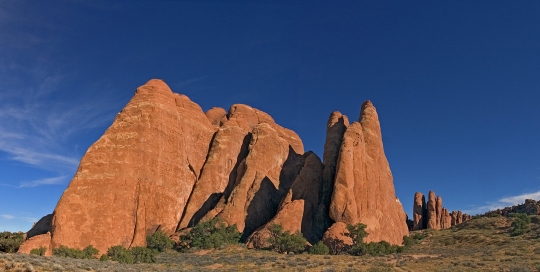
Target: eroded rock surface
165	164
37	241
138	176
364	189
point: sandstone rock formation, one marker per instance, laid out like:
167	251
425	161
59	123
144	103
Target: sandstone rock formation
335	129
530	206
432	211
439	210
336	239
138	176
217	116
434	215
165	164
364	189
37	241
418	211
298	210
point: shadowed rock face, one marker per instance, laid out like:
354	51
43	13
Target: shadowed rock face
335	129
40	227
364	189
165	164
418	211
298	210
138	176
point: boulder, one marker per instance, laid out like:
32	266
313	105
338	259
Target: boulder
336	239
217	116
37	241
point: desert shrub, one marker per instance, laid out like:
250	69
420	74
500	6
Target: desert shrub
87	253
143	255
211	234
10	241
120	254
159	241
104	257
358	233
319	249
39	251
283	241
520	224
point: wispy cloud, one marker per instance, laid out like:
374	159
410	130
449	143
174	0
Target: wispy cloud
29	219
503	202
46	181
7	216
190	81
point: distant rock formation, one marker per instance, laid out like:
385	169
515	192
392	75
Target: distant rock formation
530	206
434	215
166	165
418	211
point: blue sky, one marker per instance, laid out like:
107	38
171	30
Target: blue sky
456	84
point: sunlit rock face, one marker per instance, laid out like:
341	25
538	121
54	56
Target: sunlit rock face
364	189
164	164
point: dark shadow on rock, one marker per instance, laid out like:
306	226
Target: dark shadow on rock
244	150
41	227
208	205
262	207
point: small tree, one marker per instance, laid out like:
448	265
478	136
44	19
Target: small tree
520	225
39	251
143	255
211	234
87	253
120	254
10	241
319	249
159	241
104	257
285	241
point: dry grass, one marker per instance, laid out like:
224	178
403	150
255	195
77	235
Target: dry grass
477	245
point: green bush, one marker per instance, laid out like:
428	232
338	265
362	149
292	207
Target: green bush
39	251
208	235
285	241
159	241
413	239
319	249
520	224
104	257
358	233
87	253
10	241
143	254
120	254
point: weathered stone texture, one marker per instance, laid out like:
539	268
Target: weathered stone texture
138	176
364	189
